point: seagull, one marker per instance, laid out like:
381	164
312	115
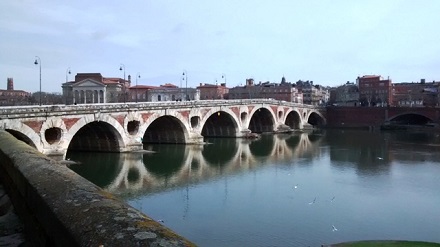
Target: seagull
313	201
296	186
334	228
332	199
161	221
379	158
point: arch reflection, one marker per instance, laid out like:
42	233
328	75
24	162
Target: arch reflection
174	166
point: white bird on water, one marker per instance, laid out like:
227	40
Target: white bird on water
334	228
379	158
332	199
296	186
312	201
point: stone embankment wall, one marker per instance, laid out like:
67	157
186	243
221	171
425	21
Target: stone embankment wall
356	117
60	208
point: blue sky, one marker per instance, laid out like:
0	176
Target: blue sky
330	42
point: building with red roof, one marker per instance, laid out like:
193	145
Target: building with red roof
212	91
13	97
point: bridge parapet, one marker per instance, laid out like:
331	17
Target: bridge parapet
63	209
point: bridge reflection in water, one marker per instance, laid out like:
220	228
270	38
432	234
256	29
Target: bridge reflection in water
171	166
236	192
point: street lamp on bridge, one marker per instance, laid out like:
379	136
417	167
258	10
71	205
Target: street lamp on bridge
138	75
38	62
122	67
185	77
68	73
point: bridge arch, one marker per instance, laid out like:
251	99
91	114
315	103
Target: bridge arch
22	137
97	136
293	119
315	118
409	118
102	134
24	133
226	127
165	129
220	124
262	120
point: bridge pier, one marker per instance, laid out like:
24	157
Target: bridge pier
55	152
194	138
132	147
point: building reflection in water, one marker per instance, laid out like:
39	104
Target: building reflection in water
372	153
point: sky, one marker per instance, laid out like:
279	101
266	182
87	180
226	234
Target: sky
328	42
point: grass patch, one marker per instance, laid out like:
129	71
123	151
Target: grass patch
387	244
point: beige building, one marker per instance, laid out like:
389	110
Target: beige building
313	94
93	88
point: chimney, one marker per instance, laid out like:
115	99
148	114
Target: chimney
10	86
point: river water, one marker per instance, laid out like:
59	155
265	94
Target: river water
299	189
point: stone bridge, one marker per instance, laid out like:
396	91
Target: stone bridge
126	127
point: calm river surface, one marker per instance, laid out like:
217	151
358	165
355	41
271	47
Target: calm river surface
299	189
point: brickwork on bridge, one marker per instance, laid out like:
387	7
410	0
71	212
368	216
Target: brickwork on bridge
126	125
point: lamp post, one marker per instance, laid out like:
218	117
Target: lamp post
185	77
138	75
68	73
224	77
122	67
38	62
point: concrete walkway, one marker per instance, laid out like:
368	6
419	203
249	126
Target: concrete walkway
11	228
